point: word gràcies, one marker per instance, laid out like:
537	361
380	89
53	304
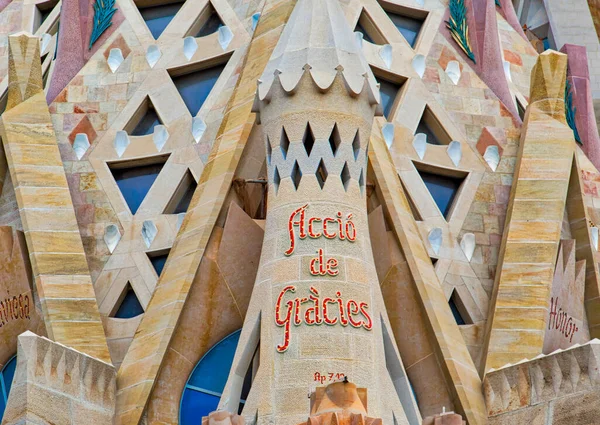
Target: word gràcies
315	227
330	311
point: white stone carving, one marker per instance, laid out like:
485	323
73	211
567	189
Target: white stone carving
115	59
225	36
455	152
388	134
81	144
121	142
189	47
467	244
359	36
492	156
180	218
594	232
420	144
198	128
255	19
506	65
45	40
435	239
418	64
385	53
112	236
149	232
453	71
160	136
152	55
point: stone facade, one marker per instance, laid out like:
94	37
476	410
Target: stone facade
367	211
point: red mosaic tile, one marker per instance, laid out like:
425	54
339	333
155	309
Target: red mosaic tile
84	126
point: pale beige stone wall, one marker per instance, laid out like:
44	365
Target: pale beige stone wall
55	384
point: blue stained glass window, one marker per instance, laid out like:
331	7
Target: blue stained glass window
158	17
424	128
135	182
365	34
443	189
158	262
388	91
184	202
456	313
147	123
408	27
6	378
130	306
212	25
195	87
205	385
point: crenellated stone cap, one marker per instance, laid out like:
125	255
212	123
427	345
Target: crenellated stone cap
24	68
548	79
318	40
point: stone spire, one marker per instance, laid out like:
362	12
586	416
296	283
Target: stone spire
316	310
317	39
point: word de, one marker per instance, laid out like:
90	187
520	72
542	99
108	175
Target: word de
561	320
329	311
328	377
315	227
14	308
320	267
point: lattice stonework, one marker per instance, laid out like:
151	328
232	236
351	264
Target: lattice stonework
390	206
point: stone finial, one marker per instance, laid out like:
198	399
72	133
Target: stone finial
24	68
548	79
323	49
222	417
340	403
447	418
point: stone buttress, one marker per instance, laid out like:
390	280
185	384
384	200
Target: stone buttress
317	313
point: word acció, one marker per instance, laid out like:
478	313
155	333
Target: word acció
322	311
14	308
329	227
561	321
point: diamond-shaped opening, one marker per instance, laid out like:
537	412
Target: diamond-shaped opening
369	30
158	260
157	17
269	150
180	201
433	261
361	181
284	143
459	310
128	305
345	176
443	188
407	20
322	174
276	179
194	87
433	129
389	87
335	139
356	145
308	140
43	10
296	175
143	121
411	203
208	22
520	109
135	178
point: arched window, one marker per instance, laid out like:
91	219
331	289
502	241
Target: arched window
205	385
6	378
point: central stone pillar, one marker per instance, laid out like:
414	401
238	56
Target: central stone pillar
317	299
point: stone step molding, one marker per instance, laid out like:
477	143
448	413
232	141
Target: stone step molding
549	386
